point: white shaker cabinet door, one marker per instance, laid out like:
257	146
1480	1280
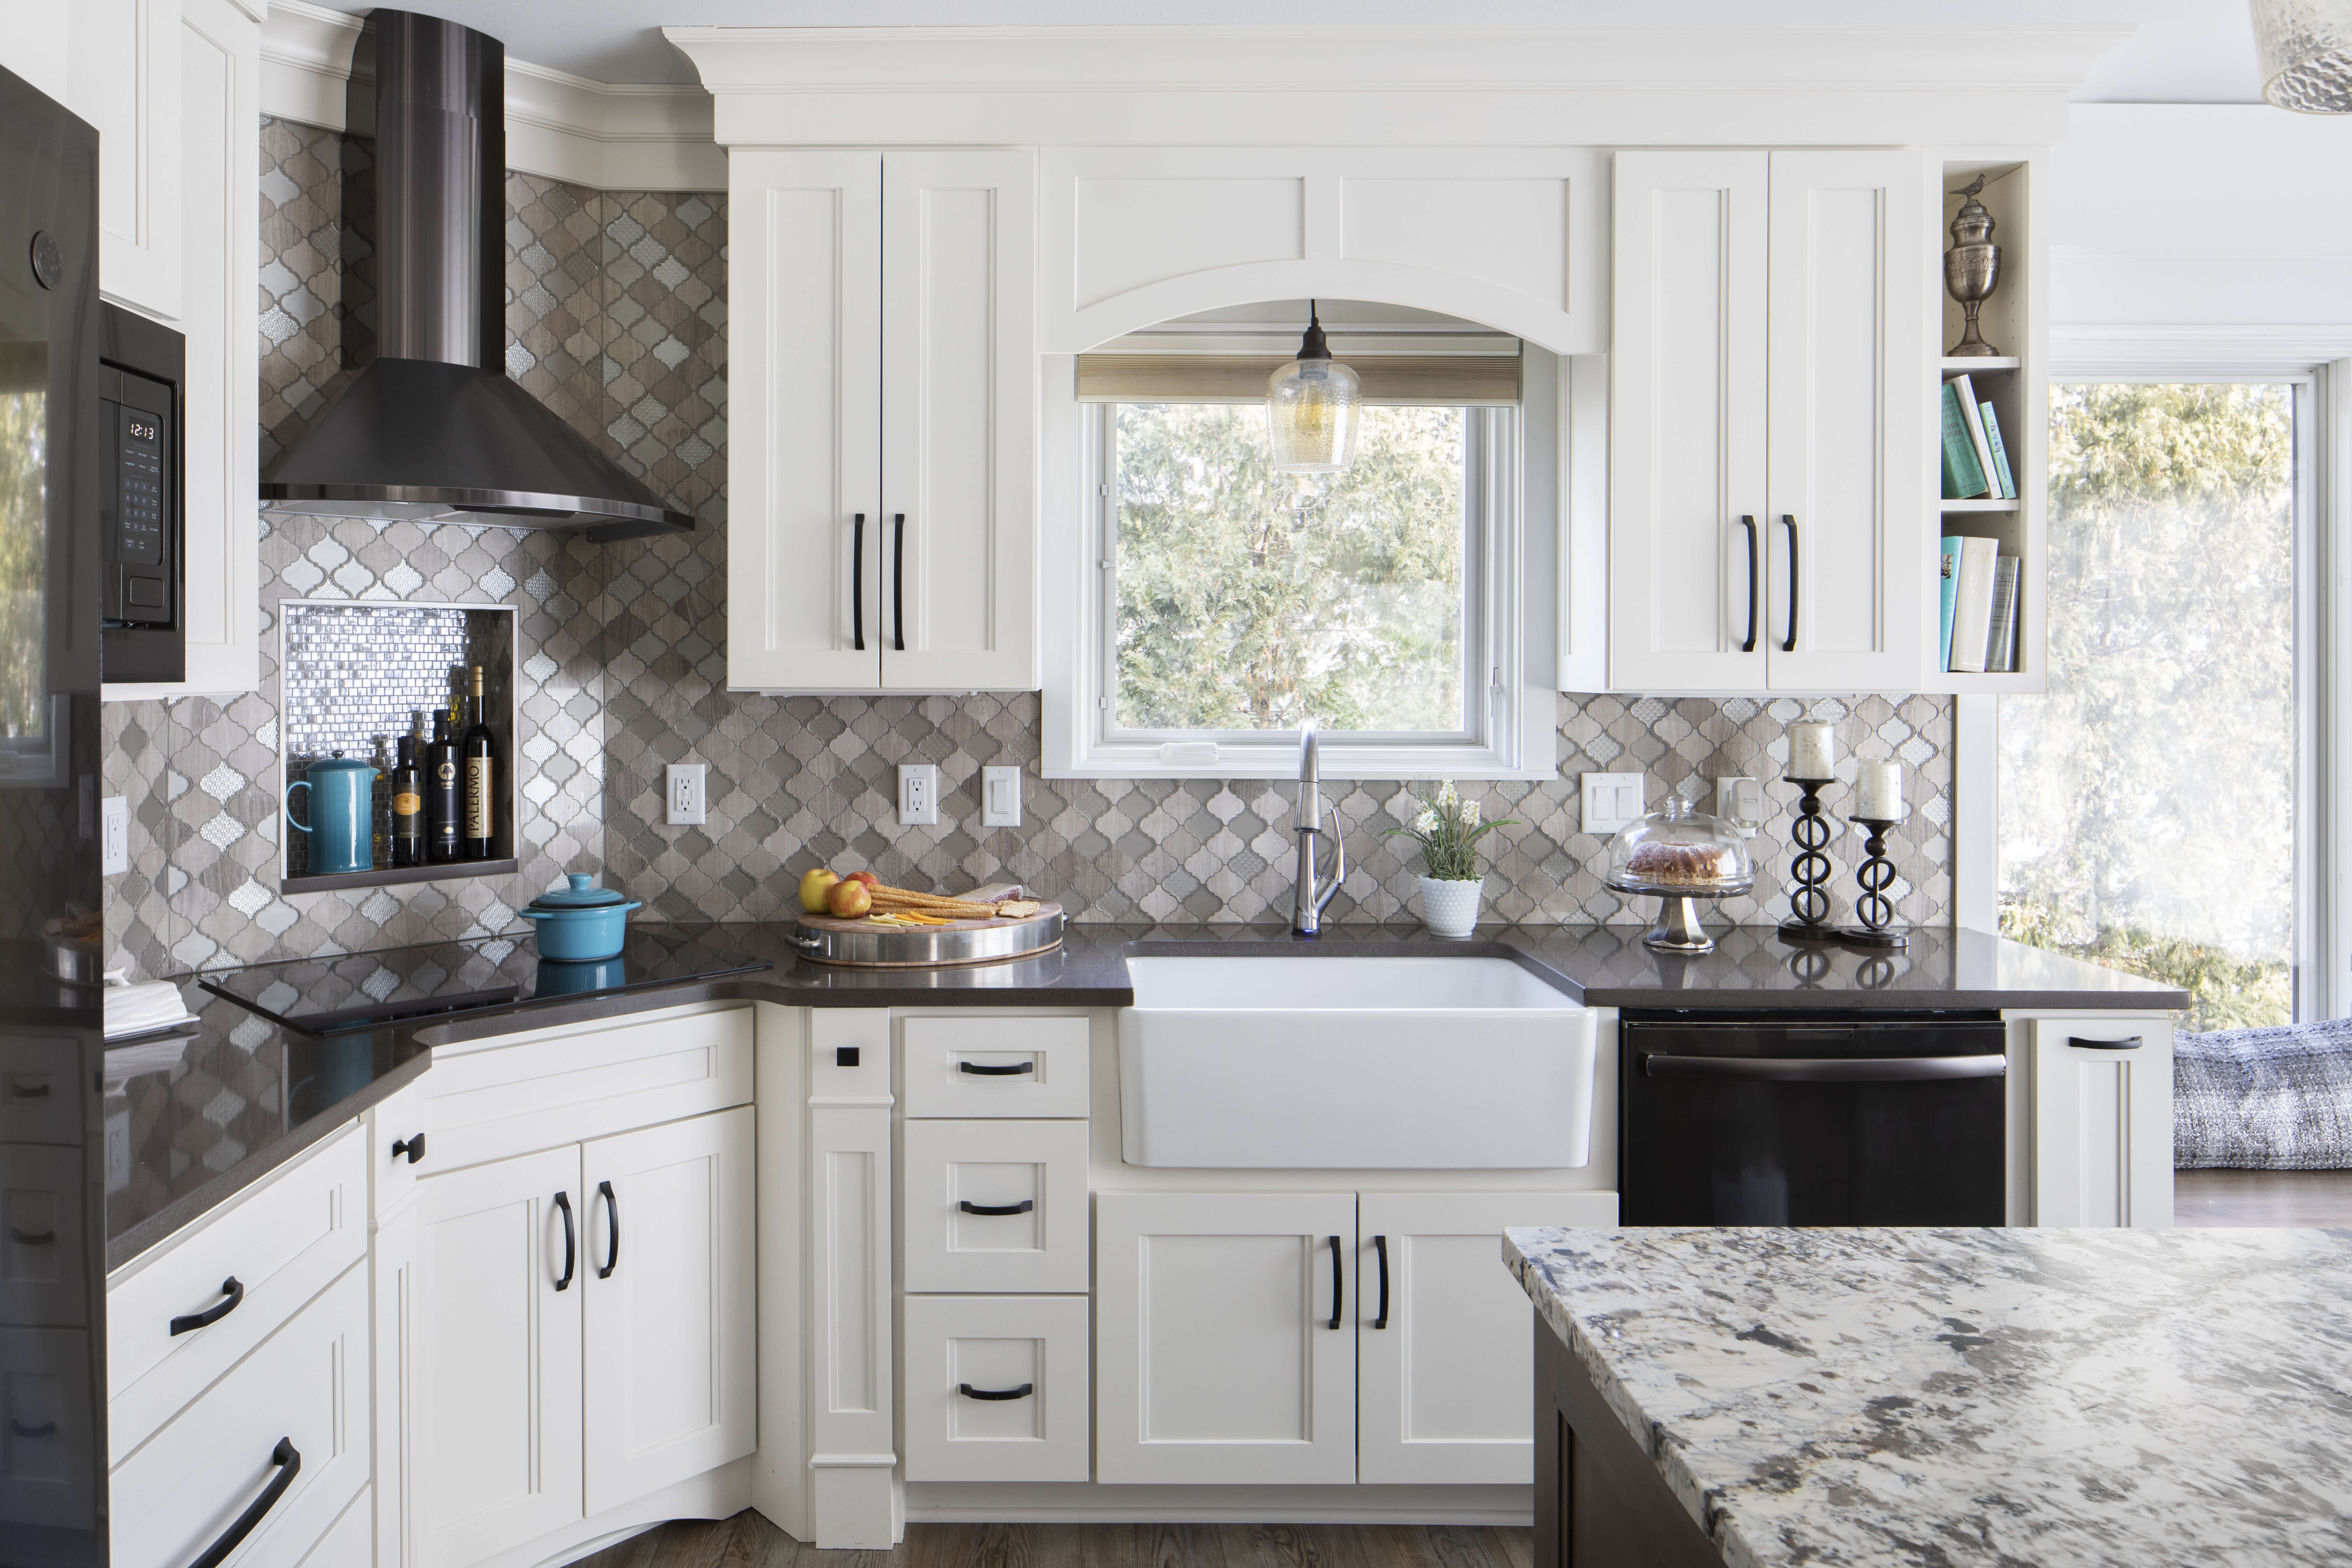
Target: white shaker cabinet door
805	530
1445	1359
959	421
1686	440
2101	1097
123	75
667	1276
498	1444
1846	522
1226	1353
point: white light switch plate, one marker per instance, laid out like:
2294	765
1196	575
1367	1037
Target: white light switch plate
1612	802
919	794
688	805
999	797
114	836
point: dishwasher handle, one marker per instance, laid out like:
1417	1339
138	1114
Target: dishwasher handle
1825	1069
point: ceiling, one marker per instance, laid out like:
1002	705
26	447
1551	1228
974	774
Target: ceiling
2186	51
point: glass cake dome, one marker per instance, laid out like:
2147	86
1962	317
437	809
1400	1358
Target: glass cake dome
1680	853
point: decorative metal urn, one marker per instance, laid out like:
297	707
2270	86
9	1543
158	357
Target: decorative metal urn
1971	268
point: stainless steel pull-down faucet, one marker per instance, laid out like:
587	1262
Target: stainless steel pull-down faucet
1310	893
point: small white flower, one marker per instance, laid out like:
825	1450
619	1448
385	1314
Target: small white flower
1426	823
1469	814
1447	799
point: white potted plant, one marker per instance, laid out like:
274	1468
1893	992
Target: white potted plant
1448	827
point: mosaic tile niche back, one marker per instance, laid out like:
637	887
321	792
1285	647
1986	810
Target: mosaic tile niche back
616	319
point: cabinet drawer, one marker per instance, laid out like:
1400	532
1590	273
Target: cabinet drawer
996	1066
46	1476
306	1384
996	1165
997	1344
42	1247
39	1098
281	1241
547	1088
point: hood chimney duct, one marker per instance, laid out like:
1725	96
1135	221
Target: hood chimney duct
440	209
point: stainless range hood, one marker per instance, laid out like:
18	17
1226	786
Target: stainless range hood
432	430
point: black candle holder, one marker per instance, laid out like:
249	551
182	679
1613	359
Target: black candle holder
1876	874
1809	905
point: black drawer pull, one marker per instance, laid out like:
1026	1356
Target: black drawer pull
1826	1069
28	1238
38	1091
981	1070
412	1147
969	1392
288	1460
1023	1206
213	1314
1380	1245
611	1230
1335	1281
22	1430
2131	1043
571	1250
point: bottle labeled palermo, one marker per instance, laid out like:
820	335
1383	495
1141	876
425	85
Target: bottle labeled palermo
482	767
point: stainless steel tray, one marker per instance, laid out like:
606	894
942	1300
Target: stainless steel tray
929	947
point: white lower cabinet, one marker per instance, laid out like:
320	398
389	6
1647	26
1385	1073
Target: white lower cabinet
996	1388
1225	1353
2102	1121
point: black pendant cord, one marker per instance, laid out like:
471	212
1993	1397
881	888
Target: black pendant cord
1809	902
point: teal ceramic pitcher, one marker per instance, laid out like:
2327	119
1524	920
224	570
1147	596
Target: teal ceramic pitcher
342	813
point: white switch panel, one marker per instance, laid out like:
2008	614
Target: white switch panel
1741	802
114	836
999	797
1612	802
687	805
919	794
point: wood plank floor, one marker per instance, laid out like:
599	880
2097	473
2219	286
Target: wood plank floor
749	1541
2262	1198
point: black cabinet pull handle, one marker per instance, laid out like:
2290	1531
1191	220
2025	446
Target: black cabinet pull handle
1826	1069
1754	587
898	585
412	1147
857	583
1380	1245
288	1460
1023	1206
982	1070
1335	1282
571	1249
2132	1043
230	1288
21	1430
612	1229
38	1091
969	1392
1791	523
30	1238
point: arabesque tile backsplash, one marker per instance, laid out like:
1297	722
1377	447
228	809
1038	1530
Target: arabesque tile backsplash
616	315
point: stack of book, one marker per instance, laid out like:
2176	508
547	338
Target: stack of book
1976	461
1980	586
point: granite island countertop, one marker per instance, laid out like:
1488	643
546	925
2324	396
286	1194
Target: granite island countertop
2116	1398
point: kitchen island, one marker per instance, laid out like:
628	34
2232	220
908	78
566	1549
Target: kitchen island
1958	1398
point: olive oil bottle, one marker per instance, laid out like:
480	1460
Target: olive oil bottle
408	805
480	764
441	792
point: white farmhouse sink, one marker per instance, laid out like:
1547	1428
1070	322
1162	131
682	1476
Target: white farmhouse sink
1301	1061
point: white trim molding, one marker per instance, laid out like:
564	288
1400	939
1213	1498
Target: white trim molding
1252	86
630	137
2193	353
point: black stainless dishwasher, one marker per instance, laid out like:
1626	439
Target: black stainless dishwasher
1871	1118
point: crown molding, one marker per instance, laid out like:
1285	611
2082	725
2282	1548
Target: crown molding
1375	86
655	137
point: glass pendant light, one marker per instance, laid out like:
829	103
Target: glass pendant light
2305	49
1311	404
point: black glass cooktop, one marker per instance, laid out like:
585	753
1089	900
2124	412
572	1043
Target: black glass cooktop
368	990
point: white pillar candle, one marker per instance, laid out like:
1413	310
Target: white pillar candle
1878	791
1812	750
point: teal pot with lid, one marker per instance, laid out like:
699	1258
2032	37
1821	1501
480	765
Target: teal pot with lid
580	923
342	813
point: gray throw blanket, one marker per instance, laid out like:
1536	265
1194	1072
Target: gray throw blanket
2265	1100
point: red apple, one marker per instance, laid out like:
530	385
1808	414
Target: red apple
849	900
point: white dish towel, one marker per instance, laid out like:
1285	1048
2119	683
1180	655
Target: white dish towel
132	1010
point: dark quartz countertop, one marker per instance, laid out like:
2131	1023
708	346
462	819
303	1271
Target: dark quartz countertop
249	1094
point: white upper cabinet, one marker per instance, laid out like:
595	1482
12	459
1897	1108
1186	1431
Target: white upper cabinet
123	77
882	531
1766	526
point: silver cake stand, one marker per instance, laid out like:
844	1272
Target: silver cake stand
1679	929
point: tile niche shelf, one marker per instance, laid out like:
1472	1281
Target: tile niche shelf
353	674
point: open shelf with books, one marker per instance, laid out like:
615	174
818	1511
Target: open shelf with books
1990	436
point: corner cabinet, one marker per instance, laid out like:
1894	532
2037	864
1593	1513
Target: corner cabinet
1766	524
882	531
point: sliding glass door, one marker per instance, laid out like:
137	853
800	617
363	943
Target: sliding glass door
2152	811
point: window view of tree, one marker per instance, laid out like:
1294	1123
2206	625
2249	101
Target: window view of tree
23	564
2147	800
1252	600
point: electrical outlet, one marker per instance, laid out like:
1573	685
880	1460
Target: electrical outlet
1612	802
1740	802
114	836
919	794
999	797
688	807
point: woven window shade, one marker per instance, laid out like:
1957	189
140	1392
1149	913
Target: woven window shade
1447	380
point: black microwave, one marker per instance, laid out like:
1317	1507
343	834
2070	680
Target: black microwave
141	492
